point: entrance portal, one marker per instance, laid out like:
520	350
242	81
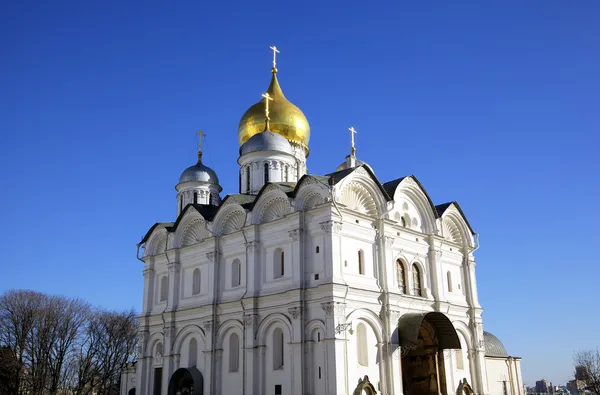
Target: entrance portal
186	381
424	337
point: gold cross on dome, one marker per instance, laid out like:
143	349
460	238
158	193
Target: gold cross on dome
200	135
267	98
352	133
275	52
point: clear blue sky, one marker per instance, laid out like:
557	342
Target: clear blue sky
492	104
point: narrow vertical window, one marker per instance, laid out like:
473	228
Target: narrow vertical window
234	353
285	173
240	182
195	197
196	282
180	203
277	349
416	280
266	172
193	357
317	249
361	345
164	288
449	278
236	271
278	263
248	179
361	262
400	276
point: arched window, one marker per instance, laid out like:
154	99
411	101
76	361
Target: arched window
195	197
361	262
248	179
180	203
236	273
234	353
278	263
193	353
266	172
277	349
416	280
400	276
164	288
361	345
196	282
449	277
403	222
285	173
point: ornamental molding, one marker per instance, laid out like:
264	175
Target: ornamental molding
389	241
331	227
294	234
148	273
250	319
251	246
295	312
208	324
361	172
174	267
211	255
334	309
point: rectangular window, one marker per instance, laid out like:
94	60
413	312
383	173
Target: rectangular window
278	390
157	381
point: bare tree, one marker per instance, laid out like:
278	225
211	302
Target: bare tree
588	369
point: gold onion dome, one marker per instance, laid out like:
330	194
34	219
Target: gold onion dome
285	118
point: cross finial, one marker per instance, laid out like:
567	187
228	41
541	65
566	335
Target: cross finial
352	133
267	99
200	136
275	52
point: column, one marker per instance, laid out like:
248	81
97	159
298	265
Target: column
394	355
296	255
169	331
142	366
335	345
332	248
174	280
296	350
250	356
435	270
148	289
253	272
207	325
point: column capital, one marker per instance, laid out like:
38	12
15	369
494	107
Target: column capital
295	312
331	226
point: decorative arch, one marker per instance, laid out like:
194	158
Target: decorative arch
450	231
412	190
310	193
356	197
184	333
157	244
226	327
368	317
230	219
455	225
191	230
359	191
268	322
151	344
312	325
275	208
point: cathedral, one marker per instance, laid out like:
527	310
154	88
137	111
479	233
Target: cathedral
336	284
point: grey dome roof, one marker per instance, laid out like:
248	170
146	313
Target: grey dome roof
493	346
199	172
344	165
266	141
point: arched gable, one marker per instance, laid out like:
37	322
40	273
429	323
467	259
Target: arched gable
157	242
455	227
184	333
270	320
312	325
410	188
310	192
229	219
191	229
359	192
273	204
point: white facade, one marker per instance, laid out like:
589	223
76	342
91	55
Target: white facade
310	289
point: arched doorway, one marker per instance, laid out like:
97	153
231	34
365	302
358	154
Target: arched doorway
186	381
423	338
131	392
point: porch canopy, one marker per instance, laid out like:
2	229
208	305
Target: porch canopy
409	325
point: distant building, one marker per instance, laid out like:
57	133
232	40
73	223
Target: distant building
576	385
543	386
503	371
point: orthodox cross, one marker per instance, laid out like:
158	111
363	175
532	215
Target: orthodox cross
275	52
267	98
200	135
352	133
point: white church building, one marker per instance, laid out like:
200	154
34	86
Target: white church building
300	284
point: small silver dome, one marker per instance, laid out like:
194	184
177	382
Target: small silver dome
266	141
345	165
199	172
493	346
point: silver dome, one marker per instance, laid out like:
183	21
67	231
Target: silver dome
199	172
266	141
345	166
493	346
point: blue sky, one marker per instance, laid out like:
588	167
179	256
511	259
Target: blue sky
492	104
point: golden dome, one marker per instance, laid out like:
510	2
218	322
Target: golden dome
284	118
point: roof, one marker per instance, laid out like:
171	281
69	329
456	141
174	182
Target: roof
493	346
441	209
